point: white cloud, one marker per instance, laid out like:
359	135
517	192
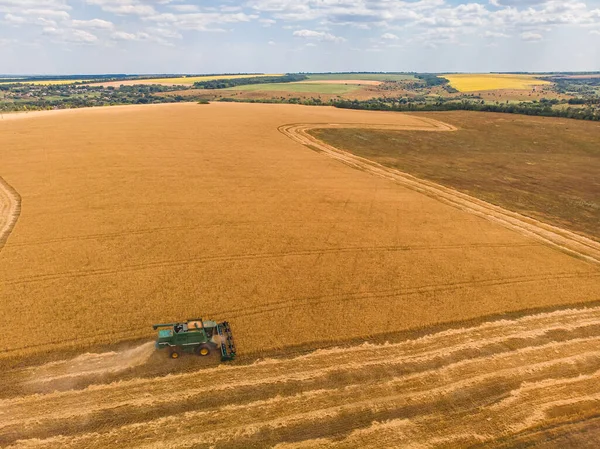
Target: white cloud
204	21
166	33
267	22
318	35
379	24
531	37
124	36
495	34
55	14
185	8
124	7
65	35
83	36
93	23
14	20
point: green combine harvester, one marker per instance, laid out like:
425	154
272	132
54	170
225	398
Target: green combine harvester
196	336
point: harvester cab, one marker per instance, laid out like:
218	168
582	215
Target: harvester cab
196	336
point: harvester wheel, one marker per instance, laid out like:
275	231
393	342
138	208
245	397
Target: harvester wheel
174	354
203	350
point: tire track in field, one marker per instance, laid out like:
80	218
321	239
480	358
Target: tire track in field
560	238
249	256
461	387
10	209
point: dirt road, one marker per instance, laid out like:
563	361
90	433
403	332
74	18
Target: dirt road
501	383
10	207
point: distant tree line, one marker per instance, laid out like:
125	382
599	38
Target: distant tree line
432	80
537	109
357	73
233	82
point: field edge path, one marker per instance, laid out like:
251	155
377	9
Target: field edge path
10	209
562	239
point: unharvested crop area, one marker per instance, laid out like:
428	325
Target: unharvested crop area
546	168
472	82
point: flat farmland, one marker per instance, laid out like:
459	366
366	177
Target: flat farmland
473	82
165	212
480	334
300	87
176	81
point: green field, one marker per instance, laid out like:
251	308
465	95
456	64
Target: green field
361	76
333	89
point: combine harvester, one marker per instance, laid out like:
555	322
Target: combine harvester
196	336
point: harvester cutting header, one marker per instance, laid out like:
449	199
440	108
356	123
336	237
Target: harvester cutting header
196	336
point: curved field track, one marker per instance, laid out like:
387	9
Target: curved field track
10	207
561	238
534	379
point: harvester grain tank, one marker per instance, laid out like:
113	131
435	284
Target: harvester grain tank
196	336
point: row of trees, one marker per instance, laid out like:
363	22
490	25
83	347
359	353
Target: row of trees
538	109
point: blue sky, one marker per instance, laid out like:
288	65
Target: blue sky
272	36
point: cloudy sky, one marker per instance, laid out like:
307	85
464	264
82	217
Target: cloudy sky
272	36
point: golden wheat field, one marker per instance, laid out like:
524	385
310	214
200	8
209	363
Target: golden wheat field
467	82
172	211
134	215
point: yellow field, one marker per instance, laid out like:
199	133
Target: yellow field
47	83
479	82
135	215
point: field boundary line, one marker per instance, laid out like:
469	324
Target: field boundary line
562	239
10	209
